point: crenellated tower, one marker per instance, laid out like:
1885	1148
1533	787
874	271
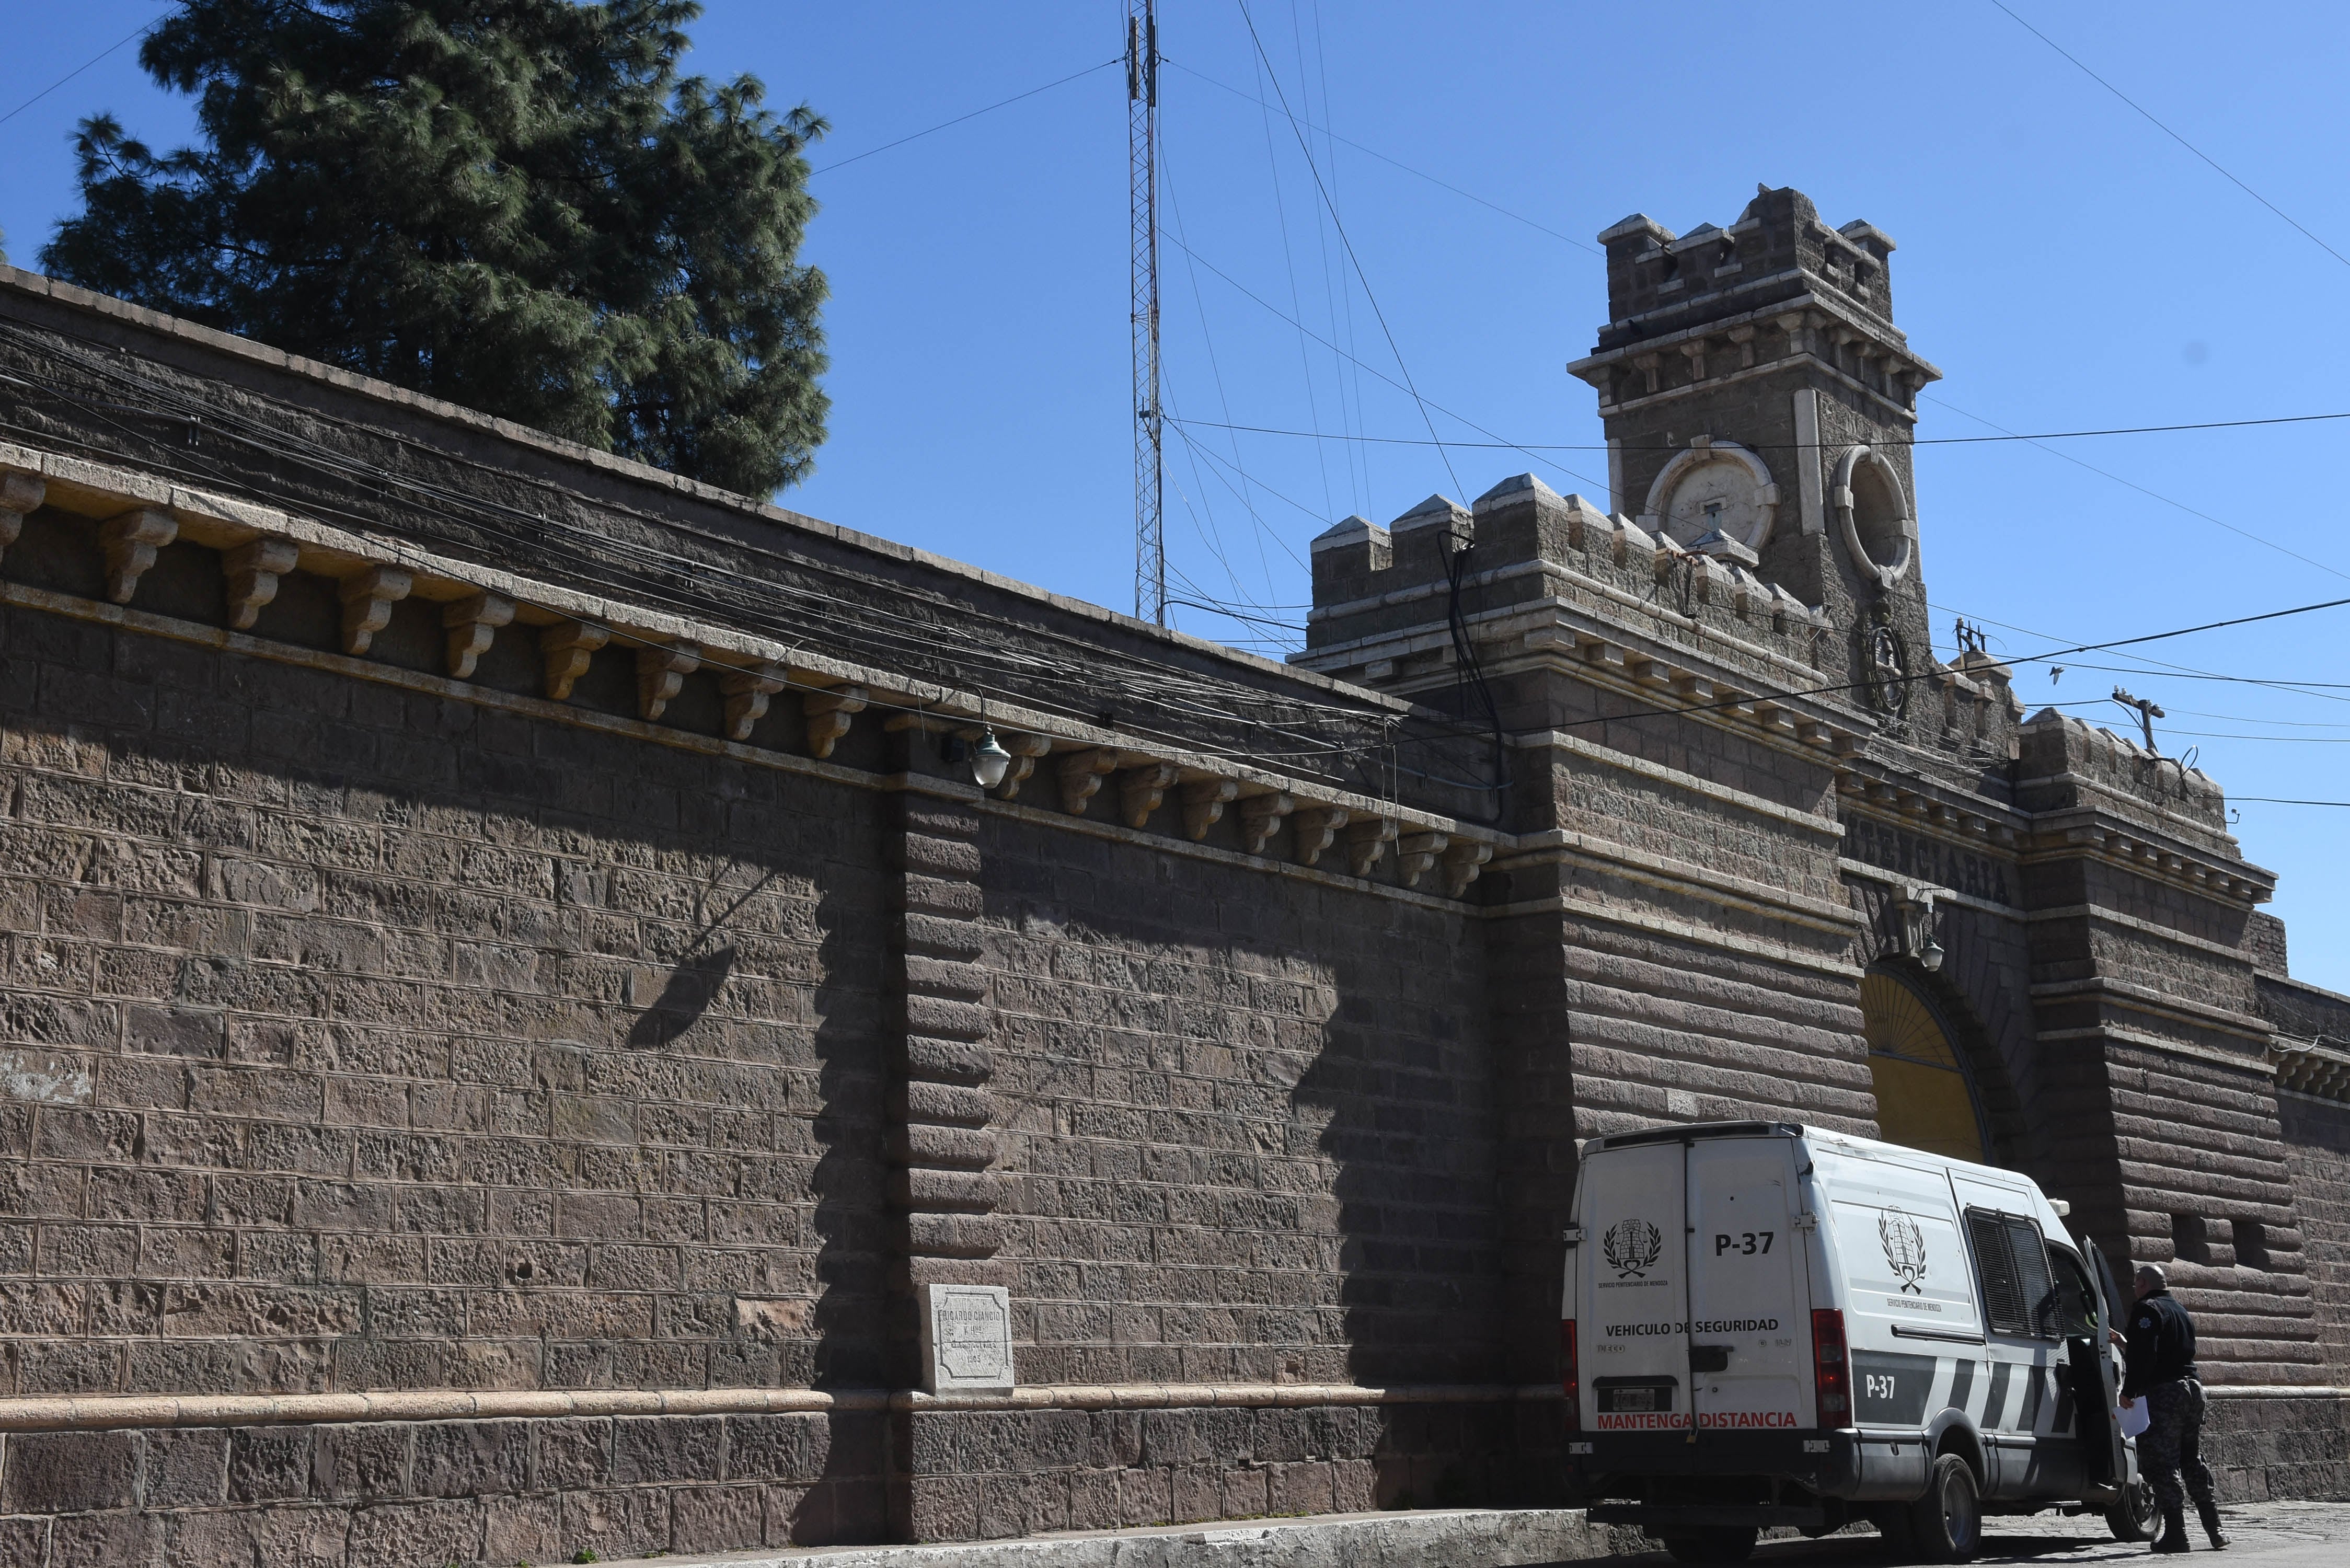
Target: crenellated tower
1759	405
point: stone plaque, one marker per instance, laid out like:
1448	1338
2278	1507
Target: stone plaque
966	1339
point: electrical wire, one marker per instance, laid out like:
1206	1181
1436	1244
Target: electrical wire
2151	495
103	54
1802	446
975	114
1397	162
1343	239
2174	136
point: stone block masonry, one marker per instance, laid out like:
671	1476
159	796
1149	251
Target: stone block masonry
510	993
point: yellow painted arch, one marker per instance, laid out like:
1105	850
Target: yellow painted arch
1923	1097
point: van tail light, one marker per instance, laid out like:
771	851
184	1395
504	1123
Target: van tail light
1570	1373
1831	1369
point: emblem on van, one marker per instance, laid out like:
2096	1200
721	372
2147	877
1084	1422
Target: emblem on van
1632	1247
1905	1249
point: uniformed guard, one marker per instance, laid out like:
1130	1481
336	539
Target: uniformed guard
2162	1373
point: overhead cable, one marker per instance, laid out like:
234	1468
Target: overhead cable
975	114
2174	136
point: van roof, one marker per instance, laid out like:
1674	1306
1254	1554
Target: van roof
1701	1129
1822	1135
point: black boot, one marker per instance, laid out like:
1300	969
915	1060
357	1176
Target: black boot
2174	1530
2211	1512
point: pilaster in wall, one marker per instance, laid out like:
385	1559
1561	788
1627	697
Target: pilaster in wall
2148	1023
943	1143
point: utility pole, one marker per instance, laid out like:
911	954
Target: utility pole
2146	714
1149	431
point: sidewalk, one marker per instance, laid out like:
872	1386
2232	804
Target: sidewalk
1457	1538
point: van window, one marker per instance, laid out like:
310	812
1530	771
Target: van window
2072	1305
2012	1263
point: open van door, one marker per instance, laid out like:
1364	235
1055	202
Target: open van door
2083	1316
2131	1515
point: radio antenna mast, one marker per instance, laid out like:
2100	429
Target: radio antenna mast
1142	158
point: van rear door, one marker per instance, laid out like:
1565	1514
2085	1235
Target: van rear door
1750	1289
1632	1300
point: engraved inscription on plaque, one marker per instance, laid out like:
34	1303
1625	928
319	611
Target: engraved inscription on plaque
967	1339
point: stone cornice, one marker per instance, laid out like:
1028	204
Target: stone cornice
16	280
2137	1039
2133	998
1625	761
364	559
2088	832
1679	877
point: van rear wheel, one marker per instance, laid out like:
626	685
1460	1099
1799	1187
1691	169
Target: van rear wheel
1718	1543
1946	1524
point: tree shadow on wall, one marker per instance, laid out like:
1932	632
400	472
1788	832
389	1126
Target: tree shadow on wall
692	985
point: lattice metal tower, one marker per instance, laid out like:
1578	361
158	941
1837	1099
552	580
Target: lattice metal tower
1149	430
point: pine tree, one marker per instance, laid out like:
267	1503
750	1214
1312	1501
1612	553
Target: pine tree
518	205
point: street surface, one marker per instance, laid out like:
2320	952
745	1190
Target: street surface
2271	1535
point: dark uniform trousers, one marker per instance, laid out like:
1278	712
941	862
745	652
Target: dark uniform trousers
2171	1443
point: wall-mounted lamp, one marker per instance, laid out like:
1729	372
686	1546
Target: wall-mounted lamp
989	760
1915	936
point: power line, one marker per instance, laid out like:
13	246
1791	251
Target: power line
78	70
944	124
1397	162
2142	490
2174	136
1339	224
1803	446
1277	311
1652	711
2279	800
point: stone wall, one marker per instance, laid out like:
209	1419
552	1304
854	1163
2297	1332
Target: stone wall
394	1043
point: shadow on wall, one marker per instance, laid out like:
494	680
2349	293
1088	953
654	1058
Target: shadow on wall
1402	1093
692	986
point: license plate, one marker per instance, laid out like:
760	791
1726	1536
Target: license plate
1631	1400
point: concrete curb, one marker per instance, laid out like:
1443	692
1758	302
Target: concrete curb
1462	1538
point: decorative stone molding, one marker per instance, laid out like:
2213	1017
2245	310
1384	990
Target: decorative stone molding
1366	844
747	694
471	623
1902	527
1026	751
661	670
2319	1067
367	599
828	713
1203	804
1316	829
1081	778
1462	864
131	540
19	493
1415	852
564	651
1260	816
253	571
1142	791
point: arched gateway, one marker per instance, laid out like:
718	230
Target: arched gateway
1924	1097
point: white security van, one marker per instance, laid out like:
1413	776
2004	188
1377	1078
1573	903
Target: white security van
1769	1325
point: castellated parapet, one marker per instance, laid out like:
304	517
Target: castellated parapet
1758	403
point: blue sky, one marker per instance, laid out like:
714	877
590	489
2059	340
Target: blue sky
2066	262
